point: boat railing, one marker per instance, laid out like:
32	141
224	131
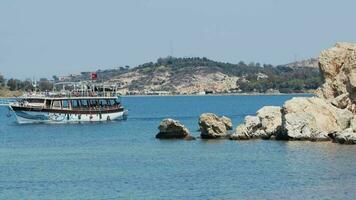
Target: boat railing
71	94
97	108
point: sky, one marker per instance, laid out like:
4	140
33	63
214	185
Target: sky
45	38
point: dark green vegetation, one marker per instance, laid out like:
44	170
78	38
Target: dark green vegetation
26	85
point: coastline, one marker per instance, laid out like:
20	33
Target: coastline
223	94
199	95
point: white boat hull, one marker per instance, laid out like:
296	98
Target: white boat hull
25	117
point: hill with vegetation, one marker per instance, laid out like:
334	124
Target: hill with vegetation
202	75
191	76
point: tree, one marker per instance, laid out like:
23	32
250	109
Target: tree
2	81
13	84
45	84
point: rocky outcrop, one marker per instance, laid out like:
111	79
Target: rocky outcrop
212	126
266	124
172	129
312	119
338	67
329	115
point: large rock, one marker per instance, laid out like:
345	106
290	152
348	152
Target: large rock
338	67
347	136
212	126
331	113
312	119
267	123
241	133
172	129
271	119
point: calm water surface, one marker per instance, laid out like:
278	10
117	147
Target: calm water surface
123	160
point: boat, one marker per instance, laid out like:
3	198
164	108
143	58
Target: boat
80	105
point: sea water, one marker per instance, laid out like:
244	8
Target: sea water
123	160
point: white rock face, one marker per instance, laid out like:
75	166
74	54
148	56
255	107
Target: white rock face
252	123
271	119
347	136
338	66
267	123
312	118
353	124
241	133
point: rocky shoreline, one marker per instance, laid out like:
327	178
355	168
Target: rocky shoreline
329	116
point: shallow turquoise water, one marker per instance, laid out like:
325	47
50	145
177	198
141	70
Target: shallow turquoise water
123	160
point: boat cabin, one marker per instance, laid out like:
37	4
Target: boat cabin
75	103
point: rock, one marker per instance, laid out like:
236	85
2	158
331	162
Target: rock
347	136
172	129
212	126
330	114
312	118
227	122
271	119
240	133
341	101
337	66
353	123
266	124
252	123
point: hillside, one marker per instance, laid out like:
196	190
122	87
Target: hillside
200	75
311	62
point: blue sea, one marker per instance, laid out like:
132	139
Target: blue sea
123	160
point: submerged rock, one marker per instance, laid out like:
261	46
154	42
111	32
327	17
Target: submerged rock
212	126
172	129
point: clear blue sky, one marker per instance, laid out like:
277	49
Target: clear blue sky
43	38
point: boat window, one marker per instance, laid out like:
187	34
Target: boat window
93	102
102	102
112	102
108	102
84	103
48	103
75	103
35	100
65	104
117	102
56	104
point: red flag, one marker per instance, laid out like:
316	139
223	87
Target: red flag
94	76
